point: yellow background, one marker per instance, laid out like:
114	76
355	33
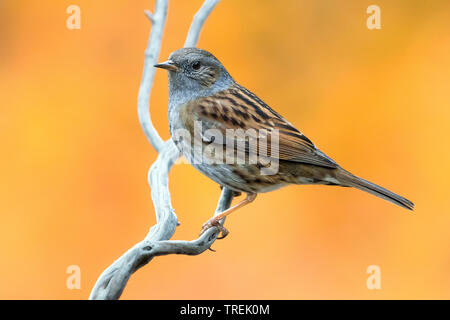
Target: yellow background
74	161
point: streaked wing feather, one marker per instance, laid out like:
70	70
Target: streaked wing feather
238	108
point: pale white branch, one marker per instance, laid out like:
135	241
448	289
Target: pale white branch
197	23
149	15
113	280
158	20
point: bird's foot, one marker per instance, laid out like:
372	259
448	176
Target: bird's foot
213	222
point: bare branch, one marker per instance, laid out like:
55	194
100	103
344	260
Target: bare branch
113	280
149	15
199	19
158	20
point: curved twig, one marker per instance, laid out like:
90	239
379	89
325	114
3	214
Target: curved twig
113	280
158	20
199	20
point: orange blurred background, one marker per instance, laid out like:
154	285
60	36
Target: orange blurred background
74	159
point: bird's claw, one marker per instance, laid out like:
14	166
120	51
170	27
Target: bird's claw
215	223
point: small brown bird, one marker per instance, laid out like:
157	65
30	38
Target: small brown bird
213	119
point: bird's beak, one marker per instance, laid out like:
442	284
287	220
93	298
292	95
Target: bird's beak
168	65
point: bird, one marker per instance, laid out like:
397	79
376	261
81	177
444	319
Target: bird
209	110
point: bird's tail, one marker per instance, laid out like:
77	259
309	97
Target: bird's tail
351	180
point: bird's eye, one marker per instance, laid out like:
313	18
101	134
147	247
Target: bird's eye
196	65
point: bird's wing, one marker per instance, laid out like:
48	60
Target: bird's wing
238	108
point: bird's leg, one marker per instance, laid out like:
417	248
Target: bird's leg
215	221
235	193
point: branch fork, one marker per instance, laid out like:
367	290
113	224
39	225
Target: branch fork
113	280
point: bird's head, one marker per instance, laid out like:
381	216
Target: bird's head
195	71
